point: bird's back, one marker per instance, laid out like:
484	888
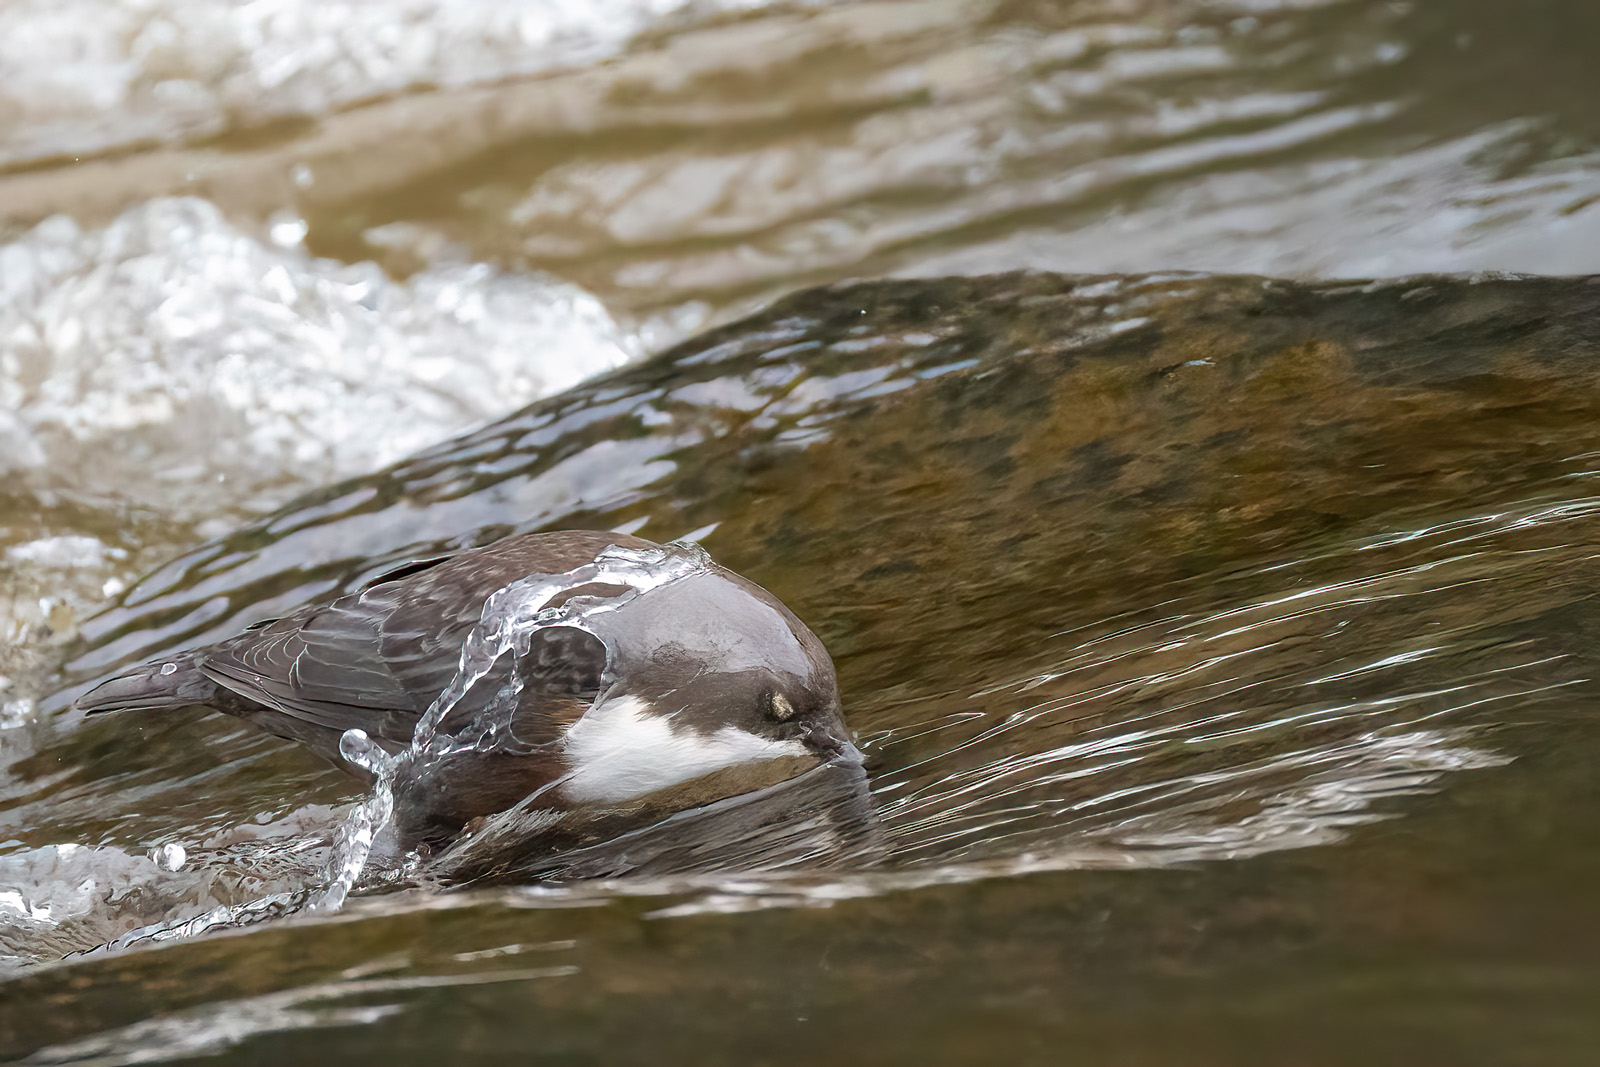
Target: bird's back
372	660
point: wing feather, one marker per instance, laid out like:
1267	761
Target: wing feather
375	659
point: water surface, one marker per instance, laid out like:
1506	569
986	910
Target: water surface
1221	647
1198	649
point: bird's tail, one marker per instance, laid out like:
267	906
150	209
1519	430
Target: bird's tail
175	682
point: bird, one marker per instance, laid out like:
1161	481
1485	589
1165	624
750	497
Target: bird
582	669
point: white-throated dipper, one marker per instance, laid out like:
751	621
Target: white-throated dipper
587	669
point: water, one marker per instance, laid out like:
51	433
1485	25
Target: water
1221	652
94	77
173	360
1337	626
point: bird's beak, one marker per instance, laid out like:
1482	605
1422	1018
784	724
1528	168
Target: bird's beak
833	747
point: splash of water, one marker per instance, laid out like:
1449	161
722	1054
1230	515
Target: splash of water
510	618
364	823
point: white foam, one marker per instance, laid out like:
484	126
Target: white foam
174	361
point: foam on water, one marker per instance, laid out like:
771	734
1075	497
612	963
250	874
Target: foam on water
170	372
45	583
175	362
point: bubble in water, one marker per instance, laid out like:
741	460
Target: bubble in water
170	856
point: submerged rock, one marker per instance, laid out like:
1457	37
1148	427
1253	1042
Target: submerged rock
963	427
1114	569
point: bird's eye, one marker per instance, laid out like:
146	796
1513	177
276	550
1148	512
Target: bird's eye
777	706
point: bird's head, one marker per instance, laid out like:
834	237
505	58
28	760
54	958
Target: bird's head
709	675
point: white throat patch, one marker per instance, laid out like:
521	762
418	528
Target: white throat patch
618	751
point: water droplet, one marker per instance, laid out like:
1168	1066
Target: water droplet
170	856
361	751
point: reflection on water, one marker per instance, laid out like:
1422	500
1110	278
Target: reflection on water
89	76
1121	575
939	138
731	152
1268	722
824	819
214	1028
1254	682
1276	707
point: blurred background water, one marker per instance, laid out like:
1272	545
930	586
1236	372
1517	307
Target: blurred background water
250	249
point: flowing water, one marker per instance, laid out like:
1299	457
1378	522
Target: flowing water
1220	648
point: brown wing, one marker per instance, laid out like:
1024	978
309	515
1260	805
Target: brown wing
376	659
323	666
